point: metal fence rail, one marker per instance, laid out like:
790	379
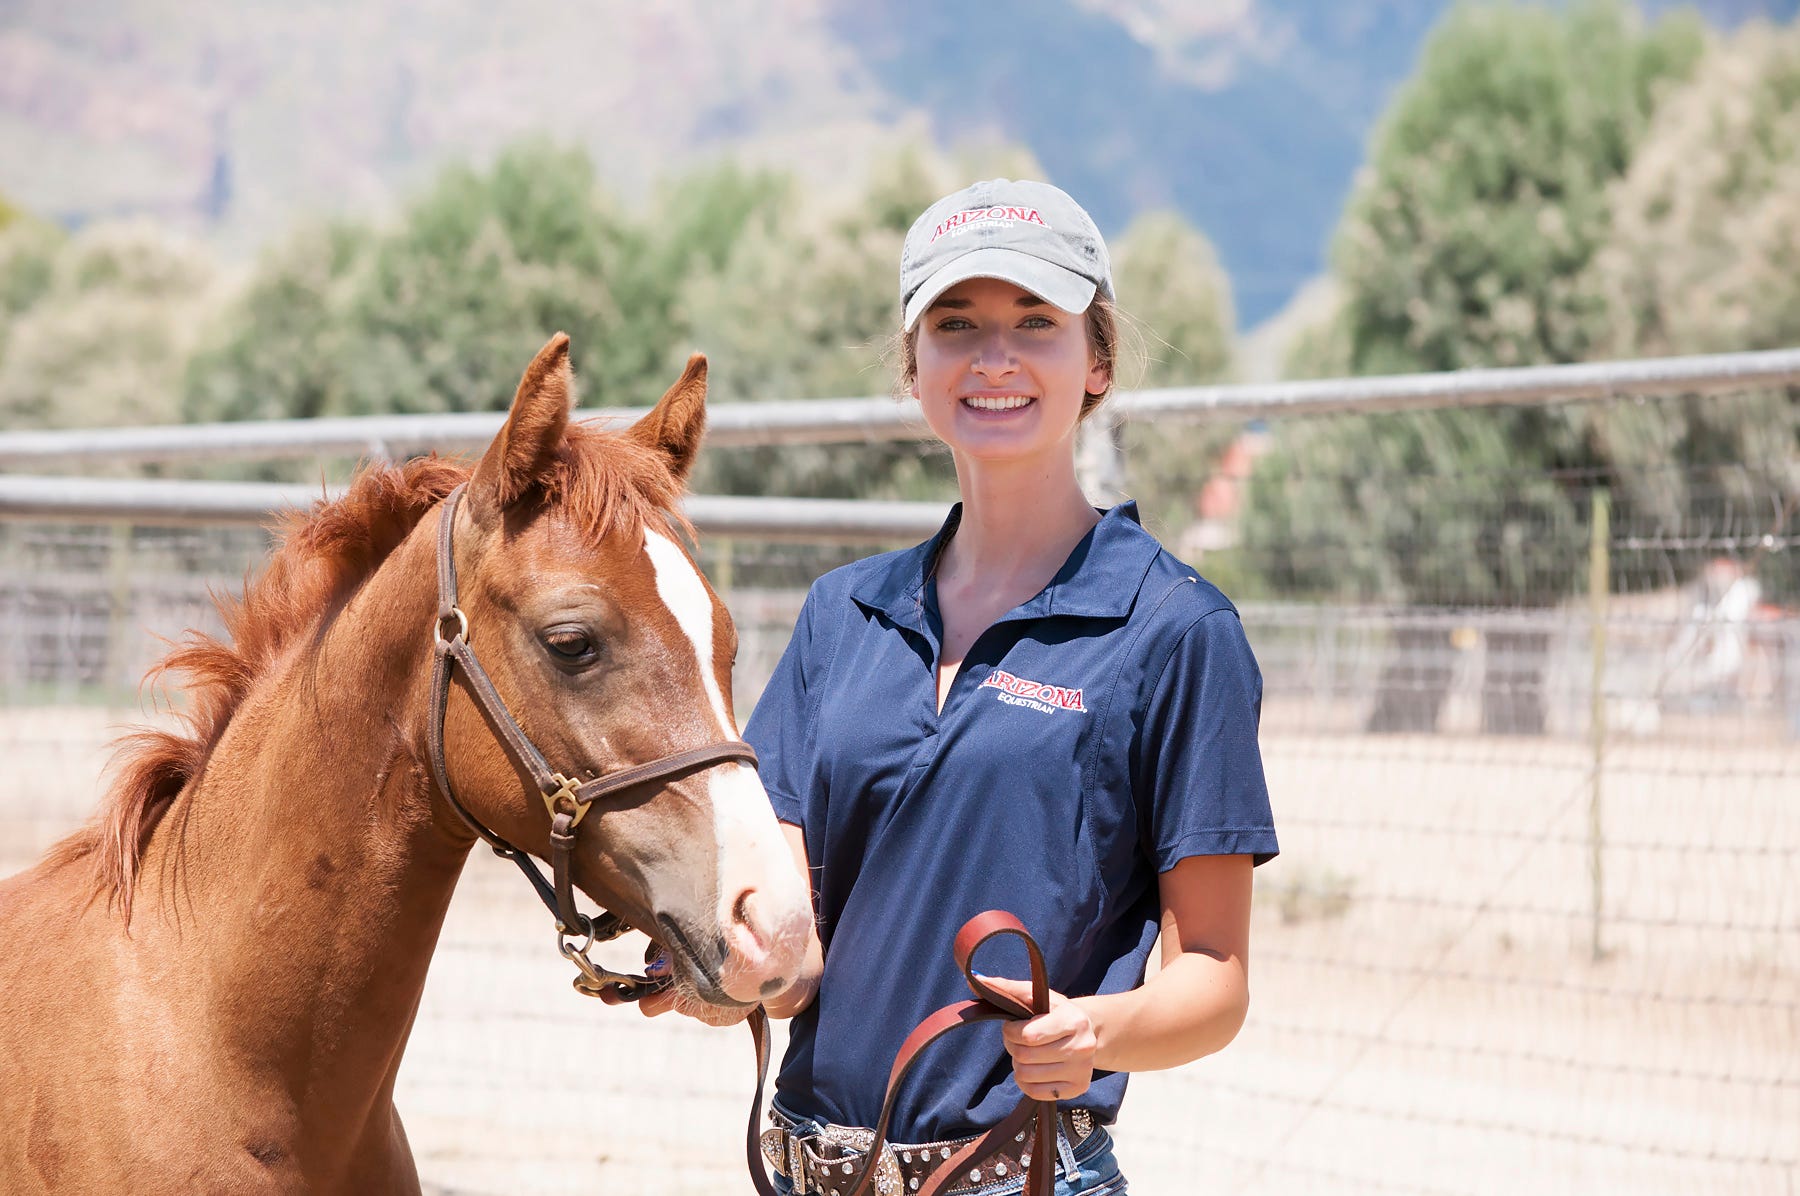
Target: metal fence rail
190	503
829	421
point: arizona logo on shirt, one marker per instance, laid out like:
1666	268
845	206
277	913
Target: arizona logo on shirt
1017	691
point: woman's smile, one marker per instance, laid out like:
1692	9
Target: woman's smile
1002	404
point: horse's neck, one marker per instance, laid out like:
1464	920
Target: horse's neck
304	879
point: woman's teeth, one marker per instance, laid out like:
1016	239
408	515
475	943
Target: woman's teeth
998	404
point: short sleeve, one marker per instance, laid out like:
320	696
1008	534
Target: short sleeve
1198	770
781	725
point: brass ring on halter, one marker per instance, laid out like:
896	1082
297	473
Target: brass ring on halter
437	628
570	952
594	980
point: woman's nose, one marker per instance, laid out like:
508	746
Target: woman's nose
994	358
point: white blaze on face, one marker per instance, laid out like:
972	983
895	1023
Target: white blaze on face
752	853
679	585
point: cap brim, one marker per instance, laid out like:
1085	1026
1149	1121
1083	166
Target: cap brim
1051	283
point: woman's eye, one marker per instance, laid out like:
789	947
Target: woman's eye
571	645
1037	322
954	324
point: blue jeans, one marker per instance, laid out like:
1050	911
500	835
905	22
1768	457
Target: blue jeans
1096	1173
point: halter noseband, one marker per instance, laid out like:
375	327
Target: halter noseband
566	799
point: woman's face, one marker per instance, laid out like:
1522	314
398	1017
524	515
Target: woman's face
1001	373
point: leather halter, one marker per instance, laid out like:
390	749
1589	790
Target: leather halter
566	799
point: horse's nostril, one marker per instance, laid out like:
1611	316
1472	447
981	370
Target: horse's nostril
743	917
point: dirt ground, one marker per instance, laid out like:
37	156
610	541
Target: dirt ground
1429	1012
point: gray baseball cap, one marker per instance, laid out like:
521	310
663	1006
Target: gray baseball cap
1027	233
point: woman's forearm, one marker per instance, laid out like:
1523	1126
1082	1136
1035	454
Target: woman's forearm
1191	1008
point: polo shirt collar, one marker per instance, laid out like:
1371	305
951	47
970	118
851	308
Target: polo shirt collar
1100	579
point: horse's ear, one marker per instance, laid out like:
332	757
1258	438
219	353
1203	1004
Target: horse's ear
674	426
522	454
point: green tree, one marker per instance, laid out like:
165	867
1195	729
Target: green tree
1703	254
1469	242
805	306
28	250
281	349
96	329
439	311
1177	300
1704	257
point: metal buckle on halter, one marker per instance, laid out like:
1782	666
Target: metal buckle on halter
566	788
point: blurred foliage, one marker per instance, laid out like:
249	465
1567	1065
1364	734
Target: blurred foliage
96	328
1704	254
803	307
1177	332
1705	257
789	290
1470	242
28	252
1467	244
441	311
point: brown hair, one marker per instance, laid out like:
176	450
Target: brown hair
1103	342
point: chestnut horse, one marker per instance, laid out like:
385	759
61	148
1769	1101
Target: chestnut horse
208	989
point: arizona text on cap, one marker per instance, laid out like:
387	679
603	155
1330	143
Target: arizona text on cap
1027	233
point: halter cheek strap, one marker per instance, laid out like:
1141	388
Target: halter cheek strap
566	799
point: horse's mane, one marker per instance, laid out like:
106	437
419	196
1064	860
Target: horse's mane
600	482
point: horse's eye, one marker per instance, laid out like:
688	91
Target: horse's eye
570	645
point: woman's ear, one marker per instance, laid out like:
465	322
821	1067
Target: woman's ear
1099	377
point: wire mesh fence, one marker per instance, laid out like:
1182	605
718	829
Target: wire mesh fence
1533	739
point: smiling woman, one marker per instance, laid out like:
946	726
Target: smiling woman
1038	710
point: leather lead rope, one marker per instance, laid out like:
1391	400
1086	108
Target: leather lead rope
989	1005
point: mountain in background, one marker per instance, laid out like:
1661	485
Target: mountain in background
1250	117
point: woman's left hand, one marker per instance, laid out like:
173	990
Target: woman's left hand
1052	1054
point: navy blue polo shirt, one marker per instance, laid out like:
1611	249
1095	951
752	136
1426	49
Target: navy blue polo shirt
1094	736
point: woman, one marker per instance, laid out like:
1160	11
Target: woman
1038	710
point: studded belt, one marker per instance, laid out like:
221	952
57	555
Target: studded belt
826	1161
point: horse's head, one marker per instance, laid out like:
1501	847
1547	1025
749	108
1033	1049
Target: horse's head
611	651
